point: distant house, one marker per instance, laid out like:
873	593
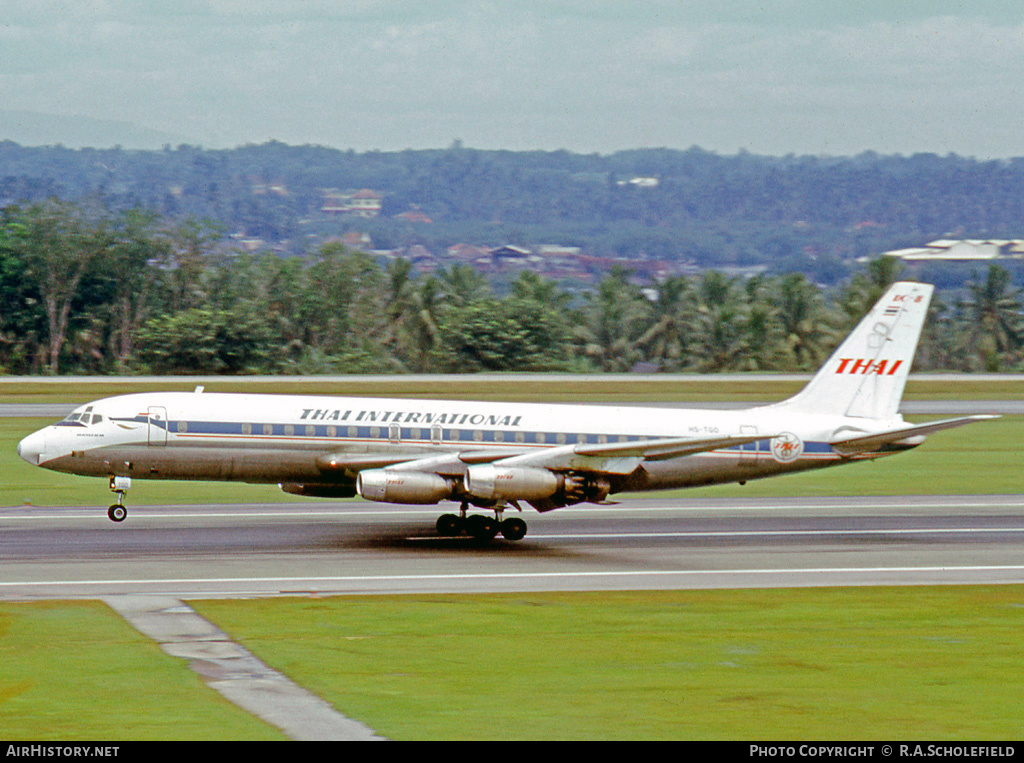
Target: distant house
641	182
514	255
364	203
466	252
360	241
414	216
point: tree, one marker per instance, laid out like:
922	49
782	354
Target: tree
210	341
612	318
22	319
994	315
503	335
669	337
58	242
134	244
866	288
807	327
720	344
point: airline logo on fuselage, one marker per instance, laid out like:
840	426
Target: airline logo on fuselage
867	366
407	417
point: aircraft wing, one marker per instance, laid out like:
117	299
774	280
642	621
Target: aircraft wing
624	457
913	435
443	463
611	458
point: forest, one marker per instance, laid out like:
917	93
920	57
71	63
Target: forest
89	288
811	214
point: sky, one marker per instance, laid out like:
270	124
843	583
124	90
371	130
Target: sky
783	77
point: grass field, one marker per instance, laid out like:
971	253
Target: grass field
854	663
825	664
77	671
851	663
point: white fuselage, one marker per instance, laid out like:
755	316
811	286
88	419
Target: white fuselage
325	441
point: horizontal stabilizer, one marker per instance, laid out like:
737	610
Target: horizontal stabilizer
905	435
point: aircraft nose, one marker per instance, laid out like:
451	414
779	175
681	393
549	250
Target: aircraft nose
33	447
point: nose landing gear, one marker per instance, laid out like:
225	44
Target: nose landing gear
118	511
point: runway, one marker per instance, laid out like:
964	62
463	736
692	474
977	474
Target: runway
351	547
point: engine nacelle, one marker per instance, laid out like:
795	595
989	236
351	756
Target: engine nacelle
498	483
394	486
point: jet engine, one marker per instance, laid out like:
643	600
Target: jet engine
489	482
395	486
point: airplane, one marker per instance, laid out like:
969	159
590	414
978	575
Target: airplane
499	455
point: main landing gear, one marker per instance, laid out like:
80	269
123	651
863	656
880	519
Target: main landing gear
479	526
118	511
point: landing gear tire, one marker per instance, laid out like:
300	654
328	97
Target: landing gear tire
119	485
513	528
449	525
482	528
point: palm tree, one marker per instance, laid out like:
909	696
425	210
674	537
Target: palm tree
531	286
720	316
994	313
865	288
461	284
809	330
612	316
668	338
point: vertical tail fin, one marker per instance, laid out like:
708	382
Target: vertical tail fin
865	377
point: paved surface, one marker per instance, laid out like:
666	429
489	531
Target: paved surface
351	547
148	567
233	671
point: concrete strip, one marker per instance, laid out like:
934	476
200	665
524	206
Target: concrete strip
235	672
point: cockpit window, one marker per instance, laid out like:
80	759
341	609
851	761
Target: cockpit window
79	418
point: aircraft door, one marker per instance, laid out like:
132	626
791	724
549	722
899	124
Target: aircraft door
157	425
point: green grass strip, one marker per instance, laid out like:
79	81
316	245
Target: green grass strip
77	671
509	387
832	664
